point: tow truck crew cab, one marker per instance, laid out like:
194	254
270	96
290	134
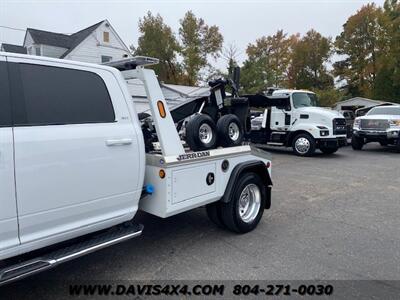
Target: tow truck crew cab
73	163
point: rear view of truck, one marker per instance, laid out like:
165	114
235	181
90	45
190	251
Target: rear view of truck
234	182
75	166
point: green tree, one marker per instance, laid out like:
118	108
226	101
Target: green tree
198	42
253	77
157	40
230	54
267	63
274	52
308	65
387	81
361	44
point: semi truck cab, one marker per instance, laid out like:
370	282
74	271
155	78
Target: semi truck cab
292	118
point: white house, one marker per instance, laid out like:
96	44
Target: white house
95	44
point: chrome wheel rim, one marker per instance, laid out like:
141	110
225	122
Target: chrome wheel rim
302	145
234	131
205	133
249	203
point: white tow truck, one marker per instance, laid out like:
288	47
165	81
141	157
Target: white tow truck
74	170
292	118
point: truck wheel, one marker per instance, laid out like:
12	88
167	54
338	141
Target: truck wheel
230	131
329	150
243	213
201	133
398	146
357	143
304	145
214	213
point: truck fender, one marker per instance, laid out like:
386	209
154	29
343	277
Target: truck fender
293	134
256	166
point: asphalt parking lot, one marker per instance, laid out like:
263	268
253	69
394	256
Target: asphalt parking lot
332	217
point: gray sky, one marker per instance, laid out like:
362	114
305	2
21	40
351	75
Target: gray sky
241	22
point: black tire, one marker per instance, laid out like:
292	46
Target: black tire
230	211
357	143
398	146
193	136
308	139
383	143
230	131
328	150
214	213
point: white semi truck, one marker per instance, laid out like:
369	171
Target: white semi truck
292	118
74	169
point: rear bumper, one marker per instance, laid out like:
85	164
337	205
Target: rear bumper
332	142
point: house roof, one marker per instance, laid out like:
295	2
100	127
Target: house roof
13	48
50	38
62	40
79	36
360	99
360	102
67	41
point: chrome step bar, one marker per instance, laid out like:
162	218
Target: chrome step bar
53	259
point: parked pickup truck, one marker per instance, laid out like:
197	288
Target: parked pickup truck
381	124
74	170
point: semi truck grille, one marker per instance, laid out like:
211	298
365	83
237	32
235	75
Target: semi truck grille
374	124
339	126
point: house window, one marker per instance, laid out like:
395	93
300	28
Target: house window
105	58
106	37
38	51
30	50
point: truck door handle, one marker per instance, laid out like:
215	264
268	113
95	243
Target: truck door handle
119	142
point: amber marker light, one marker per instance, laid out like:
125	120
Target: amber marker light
161	173
161	109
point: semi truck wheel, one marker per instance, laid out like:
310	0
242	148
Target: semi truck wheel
243	213
328	150
201	133
214	213
230	131
398	145
304	145
357	143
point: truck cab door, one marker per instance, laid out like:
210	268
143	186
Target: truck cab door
8	207
280	119
77	152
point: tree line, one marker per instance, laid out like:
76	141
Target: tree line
363	60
